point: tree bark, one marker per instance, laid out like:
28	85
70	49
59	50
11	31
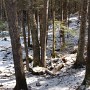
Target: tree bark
80	58
64	6
16	46
2	16
53	51
44	33
1	9
28	21
60	10
34	32
41	24
87	75
24	36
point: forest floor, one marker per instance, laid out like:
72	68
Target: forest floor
66	78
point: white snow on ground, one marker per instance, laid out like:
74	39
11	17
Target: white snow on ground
66	79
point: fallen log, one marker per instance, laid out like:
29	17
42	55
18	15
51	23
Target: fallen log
50	72
40	71
58	68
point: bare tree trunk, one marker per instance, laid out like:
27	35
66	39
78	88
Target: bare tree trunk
44	32
64	6
87	75
53	23
86	82
16	46
28	20
34	32
60	10
38	20
3	14
41	24
79	5
53	51
24	35
2	10
68	12
64	21
80	58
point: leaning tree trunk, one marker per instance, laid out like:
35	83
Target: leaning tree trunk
16	46
80	58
